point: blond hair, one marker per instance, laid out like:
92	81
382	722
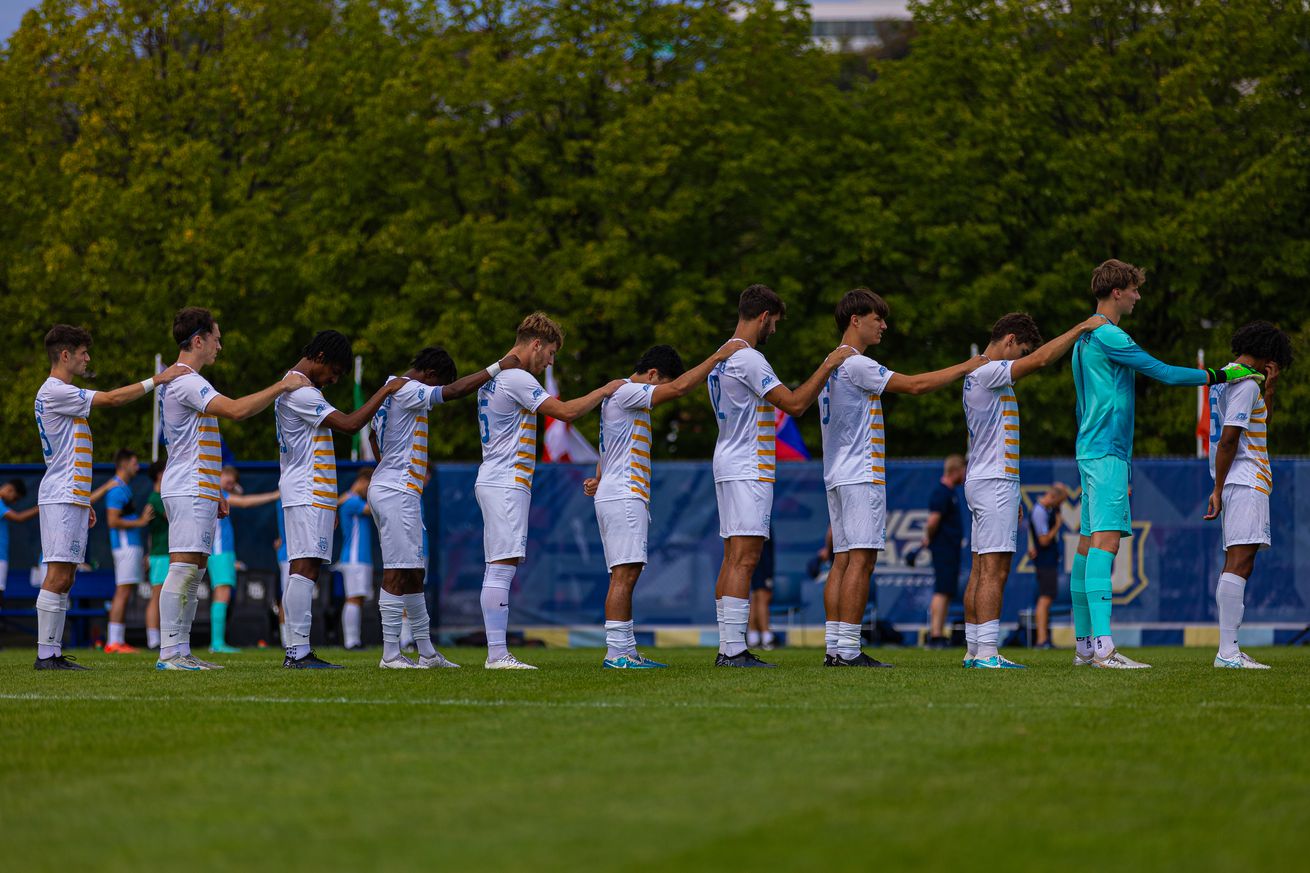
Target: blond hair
539	326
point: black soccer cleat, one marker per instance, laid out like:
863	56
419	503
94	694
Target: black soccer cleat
829	660
742	659
309	662
58	662
860	660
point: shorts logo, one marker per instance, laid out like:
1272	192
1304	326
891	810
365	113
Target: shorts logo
207	539
322	544
77	545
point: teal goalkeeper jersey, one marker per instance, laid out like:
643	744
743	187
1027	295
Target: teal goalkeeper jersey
1104	363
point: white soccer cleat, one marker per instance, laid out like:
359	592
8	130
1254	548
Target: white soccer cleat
205	665
438	660
1243	661
177	662
509	662
1080	661
1116	661
400	662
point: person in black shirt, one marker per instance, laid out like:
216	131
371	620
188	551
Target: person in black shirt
1044	527
943	536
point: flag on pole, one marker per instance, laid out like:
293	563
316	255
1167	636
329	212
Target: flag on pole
563	444
1202	412
788	442
360	447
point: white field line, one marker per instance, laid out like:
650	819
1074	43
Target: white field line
474	703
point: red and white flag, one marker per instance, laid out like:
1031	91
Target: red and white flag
563	444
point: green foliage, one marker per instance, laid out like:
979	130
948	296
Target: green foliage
418	172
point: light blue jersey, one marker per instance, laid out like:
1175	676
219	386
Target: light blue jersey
4	533
281	534
1104	363
356	532
225	538
120	497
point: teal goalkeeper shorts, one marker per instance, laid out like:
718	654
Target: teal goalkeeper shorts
158	569
1105	496
223	569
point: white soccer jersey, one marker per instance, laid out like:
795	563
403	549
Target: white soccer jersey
305	453
195	453
991	413
625	443
850	409
61	411
745	448
507	423
401	426
1241	404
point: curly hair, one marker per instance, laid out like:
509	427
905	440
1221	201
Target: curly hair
1265	341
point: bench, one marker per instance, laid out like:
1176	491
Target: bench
92	590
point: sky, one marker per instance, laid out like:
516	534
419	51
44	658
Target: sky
11	14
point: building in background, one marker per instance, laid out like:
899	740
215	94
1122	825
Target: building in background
858	25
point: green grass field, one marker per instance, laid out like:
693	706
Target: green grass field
927	766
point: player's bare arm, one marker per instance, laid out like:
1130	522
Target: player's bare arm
473	381
249	501
353	422
795	403
571	410
137	390
590	485
252	404
1224	454
114	518
18	516
683	385
922	383
1055	349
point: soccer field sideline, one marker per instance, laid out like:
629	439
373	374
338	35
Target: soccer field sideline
926	766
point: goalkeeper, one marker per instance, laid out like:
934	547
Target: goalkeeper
1104	363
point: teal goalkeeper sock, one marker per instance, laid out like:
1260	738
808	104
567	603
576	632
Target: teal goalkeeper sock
1100	564
1082	618
217	624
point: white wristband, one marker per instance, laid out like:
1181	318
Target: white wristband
494	369
148	384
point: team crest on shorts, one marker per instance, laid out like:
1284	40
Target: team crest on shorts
207	539
322	544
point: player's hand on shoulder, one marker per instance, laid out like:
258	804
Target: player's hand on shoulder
396	384
589	485
169	374
1214	505
730	348
1091	324
609	389
510	362
839	354
293	380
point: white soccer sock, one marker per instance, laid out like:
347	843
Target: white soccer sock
989	636
49	624
392	609
971	639
496	583
117	633
752	639
767	638
152	638
416	610
406	632
736	616
298	604
1229	596
718	616
1104	645
848	640
351	619
617	637
172	608
1083	646
830	636
192	604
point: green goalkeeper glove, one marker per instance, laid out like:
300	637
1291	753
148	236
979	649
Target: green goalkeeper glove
1233	373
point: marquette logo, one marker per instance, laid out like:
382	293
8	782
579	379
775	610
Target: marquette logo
1129	578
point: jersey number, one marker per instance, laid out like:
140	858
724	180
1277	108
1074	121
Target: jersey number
484	424
715	395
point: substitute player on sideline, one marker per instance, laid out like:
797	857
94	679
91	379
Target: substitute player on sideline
305	421
621	485
125	544
1104	364
1243	477
991	486
10	493
855	467
64	497
189	410
744	391
401	436
507	422
354	513
223	558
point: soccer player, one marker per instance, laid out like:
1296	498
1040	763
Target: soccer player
507	421
621	485
991	487
64	497
1104	364
401	436
1044	524
1243	478
744	392
10	493
223	559
158	531
305	421
191	488
855	467
356	562
125	525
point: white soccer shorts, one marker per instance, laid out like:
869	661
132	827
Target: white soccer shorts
504	522
4	575
399	517
63	532
128	564
745	507
191	524
858	514
994	505
309	532
624	524
1245	517
357	579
